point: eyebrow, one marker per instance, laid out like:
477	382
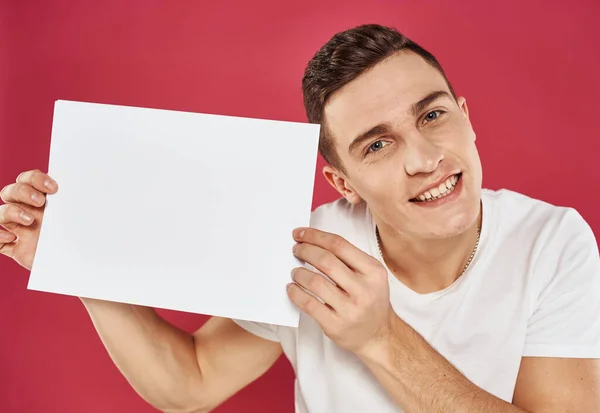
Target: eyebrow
377	130
418	107
381	129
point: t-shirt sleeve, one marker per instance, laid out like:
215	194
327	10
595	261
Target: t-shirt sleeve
266	331
566	315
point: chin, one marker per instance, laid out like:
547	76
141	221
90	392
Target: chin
454	227
451	217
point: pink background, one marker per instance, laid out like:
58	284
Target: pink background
529	71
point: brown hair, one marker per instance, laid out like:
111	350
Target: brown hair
342	59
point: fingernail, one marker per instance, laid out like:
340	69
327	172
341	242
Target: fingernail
35	197
50	184
293	271
5	235
290	285
26	217
295	247
299	233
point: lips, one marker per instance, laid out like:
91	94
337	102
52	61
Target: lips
439	191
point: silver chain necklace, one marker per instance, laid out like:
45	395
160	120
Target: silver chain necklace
466	265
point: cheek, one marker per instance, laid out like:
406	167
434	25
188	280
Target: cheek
460	138
466	130
380	187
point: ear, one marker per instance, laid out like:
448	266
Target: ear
462	104
341	184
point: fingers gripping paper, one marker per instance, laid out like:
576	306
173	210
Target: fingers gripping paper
176	210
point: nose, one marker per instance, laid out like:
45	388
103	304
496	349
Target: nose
421	155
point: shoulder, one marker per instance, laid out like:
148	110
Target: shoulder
335	213
554	249
524	216
339	216
556	239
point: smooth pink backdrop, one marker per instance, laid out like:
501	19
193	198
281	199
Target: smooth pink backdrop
529	71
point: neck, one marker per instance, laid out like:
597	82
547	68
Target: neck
428	265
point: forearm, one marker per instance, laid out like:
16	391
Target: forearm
422	381
156	358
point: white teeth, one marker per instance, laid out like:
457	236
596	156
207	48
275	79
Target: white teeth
442	190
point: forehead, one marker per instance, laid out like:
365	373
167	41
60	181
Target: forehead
382	94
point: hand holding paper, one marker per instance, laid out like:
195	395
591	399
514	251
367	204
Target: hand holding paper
21	215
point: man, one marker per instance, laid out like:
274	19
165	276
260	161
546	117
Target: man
443	297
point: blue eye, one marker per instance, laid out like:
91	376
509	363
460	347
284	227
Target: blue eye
433	115
375	146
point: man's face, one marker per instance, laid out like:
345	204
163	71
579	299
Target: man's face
401	138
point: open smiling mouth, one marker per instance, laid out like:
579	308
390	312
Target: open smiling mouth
444	189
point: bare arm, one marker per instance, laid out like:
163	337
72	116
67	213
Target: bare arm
556	385
173	370
421	380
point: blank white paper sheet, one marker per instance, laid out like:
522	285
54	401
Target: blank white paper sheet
176	210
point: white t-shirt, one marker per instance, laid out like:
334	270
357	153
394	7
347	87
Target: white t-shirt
532	289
